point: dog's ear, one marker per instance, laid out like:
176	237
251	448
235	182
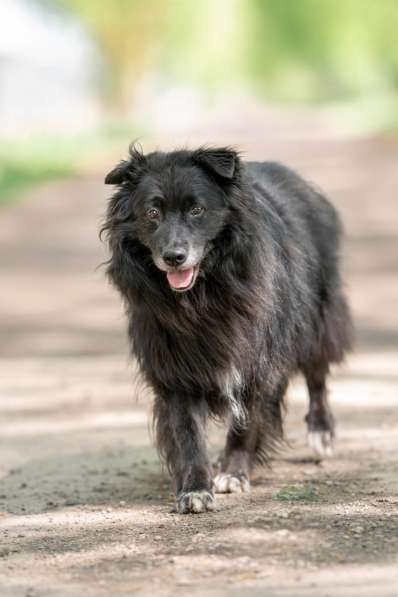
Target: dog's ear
220	160
118	174
127	169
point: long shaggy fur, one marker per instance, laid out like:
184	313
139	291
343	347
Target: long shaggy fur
268	302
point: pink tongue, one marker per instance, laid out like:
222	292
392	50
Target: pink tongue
180	279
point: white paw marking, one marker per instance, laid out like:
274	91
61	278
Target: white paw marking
321	442
225	483
195	502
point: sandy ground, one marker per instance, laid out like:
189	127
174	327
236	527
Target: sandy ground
84	503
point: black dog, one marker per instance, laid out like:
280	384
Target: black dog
229	272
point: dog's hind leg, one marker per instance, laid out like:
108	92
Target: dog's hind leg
235	462
252	443
320	421
335	335
269	416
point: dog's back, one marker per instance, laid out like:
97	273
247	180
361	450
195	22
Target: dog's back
302	208
314	228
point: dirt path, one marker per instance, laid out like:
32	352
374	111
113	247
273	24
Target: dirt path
84	504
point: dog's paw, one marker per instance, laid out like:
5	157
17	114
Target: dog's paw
321	442
226	483
195	502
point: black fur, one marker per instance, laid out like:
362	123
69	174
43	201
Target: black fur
267	302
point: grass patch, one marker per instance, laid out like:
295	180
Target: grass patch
297	493
17	176
30	162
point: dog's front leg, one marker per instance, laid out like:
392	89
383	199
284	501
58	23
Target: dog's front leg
181	439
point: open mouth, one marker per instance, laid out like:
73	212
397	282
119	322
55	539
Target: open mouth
183	279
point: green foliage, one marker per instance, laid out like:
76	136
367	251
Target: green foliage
323	49
25	164
125	32
292	50
204	42
288	50
295	493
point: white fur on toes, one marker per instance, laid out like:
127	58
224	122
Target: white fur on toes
321	442
195	502
226	483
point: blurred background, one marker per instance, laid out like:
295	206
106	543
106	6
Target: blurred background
86	75
312	83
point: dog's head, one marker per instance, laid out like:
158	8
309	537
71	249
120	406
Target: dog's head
176	204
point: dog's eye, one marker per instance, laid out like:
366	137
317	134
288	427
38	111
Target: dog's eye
197	211
152	214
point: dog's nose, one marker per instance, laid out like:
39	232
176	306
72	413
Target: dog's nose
174	257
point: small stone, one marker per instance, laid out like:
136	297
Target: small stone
71	502
183	582
198	537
